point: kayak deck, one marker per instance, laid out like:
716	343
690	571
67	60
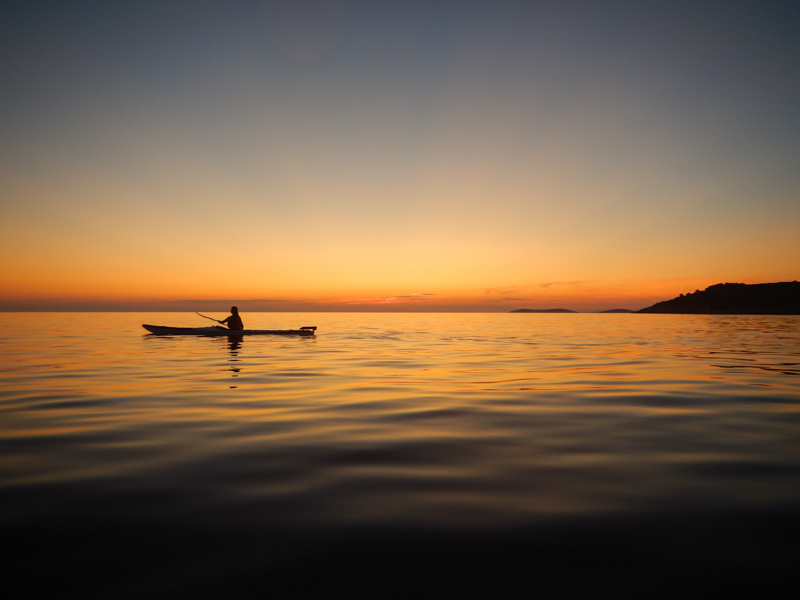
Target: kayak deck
217	331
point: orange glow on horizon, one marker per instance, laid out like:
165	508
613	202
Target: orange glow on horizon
579	296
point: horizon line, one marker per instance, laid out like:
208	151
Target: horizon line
626	311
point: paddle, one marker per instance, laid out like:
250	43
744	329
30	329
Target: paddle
209	318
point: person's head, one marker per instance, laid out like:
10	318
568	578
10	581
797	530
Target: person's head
234	310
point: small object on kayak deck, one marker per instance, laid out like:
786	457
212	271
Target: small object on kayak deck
217	331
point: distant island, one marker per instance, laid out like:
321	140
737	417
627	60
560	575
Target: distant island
735	299
542	310
565	310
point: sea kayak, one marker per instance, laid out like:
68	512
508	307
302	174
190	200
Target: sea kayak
163	330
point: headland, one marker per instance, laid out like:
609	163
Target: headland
735	299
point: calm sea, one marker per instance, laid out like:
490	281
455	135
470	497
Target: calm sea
391	449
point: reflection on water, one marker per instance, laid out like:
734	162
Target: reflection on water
234	343
435	424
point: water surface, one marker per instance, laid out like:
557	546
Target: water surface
512	432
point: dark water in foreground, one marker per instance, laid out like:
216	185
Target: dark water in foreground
467	451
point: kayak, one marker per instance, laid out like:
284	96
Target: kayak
163	330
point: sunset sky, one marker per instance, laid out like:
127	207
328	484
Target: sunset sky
405	155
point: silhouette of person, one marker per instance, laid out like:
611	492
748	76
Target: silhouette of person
234	322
